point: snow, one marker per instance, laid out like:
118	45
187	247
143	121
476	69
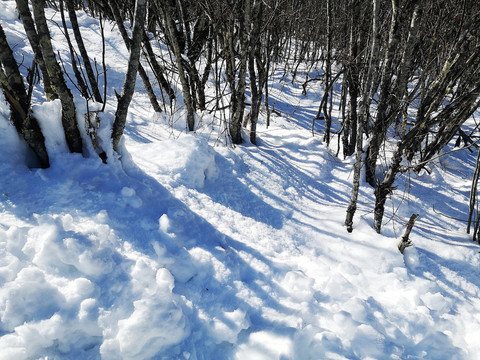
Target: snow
183	248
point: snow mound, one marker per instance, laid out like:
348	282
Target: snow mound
265	345
156	322
187	161
52	273
49	116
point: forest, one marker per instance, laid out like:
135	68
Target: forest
405	73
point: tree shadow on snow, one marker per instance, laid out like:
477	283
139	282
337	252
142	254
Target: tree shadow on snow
134	217
232	193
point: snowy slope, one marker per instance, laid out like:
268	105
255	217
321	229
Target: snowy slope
183	248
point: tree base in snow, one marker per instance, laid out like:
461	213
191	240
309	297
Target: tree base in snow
406	242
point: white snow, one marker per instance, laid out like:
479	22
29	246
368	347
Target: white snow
183	248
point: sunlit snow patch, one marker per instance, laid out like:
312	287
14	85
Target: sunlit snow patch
185	161
265	345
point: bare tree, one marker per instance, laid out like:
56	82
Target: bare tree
130	77
363	116
128	43
13	87
82	86
29	26
69	121
83	51
167	8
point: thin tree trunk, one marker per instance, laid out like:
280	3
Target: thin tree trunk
406	242
206	74
239	104
83	51
78	76
175	43
104	65
476	229
69	121
130	78
141	70
350	124
29	26
157	69
328	74
257	82
473	192
386	187
364	109
267	74
378	132
257	78
13	87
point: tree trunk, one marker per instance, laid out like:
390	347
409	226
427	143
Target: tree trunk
175	42
130	77
78	76
364	110
157	69
328	74
238	103
29	26
406	242
13	87
69	121
378	132
257	77
473	192
352	81
267	74
386	187
83	51
206	74
141	71
393	85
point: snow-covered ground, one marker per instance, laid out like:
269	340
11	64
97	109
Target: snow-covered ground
184	248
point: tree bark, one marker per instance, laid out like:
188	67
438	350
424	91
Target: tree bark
352	81
406	242
141	71
378	132
364	110
257	77
157	69
238	89
385	187
69	121
78	76
175	42
83	51
328	74
473	192
130	77
13	87
29	26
